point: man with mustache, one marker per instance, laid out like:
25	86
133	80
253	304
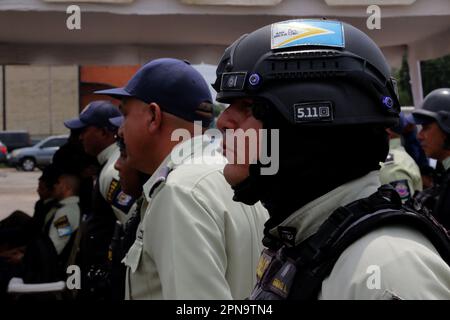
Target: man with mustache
193	241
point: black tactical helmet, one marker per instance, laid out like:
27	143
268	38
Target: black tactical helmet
313	71
435	107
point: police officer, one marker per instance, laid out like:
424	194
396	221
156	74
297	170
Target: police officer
98	139
71	157
62	222
49	252
434	116
317	83
192	236
131	181
400	170
110	203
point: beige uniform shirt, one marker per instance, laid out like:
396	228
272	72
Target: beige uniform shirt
110	183
194	241
65	221
390	262
401	171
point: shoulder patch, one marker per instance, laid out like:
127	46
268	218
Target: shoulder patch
117	198
122	201
63	226
402	188
389	158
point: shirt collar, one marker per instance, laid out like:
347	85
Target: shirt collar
180	154
446	163
395	143
70	200
103	156
310	217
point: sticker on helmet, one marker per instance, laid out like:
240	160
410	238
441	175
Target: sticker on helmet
233	81
313	112
294	33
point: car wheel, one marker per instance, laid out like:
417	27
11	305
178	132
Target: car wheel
28	164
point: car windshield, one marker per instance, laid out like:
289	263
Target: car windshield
52	142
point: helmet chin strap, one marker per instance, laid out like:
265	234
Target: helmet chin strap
246	191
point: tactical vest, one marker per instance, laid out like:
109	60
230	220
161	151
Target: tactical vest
41	262
297	272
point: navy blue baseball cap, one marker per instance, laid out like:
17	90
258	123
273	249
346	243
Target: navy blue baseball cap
116	121
174	85
96	113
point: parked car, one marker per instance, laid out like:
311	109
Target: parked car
41	154
15	139
3	152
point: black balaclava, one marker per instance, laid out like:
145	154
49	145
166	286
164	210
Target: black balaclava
312	162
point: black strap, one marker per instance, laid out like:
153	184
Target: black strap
316	256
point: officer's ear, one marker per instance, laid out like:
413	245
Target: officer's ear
154	120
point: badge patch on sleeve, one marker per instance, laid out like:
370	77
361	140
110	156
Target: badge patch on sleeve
117	198
123	201
63	227
402	188
295	33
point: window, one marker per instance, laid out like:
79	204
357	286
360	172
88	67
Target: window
57	142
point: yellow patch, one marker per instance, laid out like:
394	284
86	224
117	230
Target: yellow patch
277	283
112	190
263	263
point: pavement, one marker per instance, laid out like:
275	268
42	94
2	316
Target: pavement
17	191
